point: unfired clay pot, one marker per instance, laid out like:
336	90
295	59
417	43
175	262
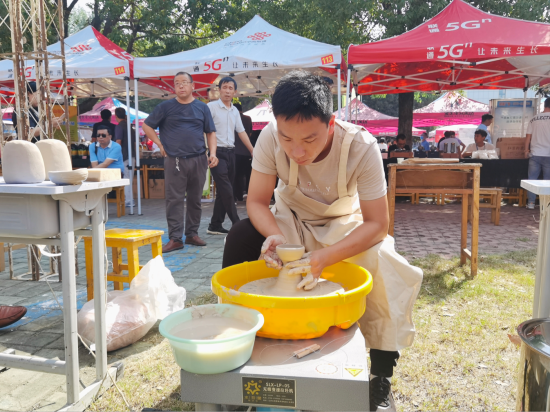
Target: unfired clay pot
55	155
72	177
22	163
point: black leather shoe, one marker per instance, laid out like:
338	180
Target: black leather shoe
380	396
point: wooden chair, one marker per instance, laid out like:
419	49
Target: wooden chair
119	200
118	239
494	195
516	195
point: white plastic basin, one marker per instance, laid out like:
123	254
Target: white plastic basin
212	356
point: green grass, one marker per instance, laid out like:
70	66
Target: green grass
461	359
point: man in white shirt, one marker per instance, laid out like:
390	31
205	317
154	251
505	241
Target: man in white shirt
450	137
486	121
538	138
228	121
480	144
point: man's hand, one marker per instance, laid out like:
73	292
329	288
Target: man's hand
527	151
269	251
162	151
252	153
311	264
212	161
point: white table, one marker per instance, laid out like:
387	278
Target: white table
91	199
541	304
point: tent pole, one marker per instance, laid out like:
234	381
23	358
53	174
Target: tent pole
348	93
524	104
136	103
128	131
339	81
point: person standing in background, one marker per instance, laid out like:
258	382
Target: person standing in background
243	160
183	121
121	137
34	96
486	121
537	148
228	121
424	143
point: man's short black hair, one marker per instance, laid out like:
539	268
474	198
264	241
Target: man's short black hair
547	102
238	106
449	133
102	127
227	80
400	136
184	74
486	117
120	112
31	87
302	94
481	133
106	114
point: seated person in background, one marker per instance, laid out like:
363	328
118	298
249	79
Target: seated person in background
382	145
450	137
399	144
105	122
480	143
105	153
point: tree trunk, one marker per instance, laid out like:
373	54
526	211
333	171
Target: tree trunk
406	101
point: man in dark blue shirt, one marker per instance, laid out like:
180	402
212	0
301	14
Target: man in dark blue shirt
183	121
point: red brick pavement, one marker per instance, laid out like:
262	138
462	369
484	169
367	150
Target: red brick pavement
428	228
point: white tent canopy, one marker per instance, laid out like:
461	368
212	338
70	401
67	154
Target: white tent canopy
96	67
257	55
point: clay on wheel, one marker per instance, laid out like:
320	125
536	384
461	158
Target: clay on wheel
286	284
22	163
55	155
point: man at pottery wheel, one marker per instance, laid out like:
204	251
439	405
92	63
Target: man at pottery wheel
331	198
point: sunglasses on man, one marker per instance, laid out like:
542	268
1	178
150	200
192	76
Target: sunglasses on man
101	135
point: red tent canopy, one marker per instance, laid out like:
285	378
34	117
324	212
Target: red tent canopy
460	48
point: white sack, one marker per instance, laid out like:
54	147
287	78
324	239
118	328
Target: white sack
130	314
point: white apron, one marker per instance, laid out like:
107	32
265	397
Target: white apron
387	323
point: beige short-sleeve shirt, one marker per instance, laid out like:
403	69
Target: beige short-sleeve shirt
319	181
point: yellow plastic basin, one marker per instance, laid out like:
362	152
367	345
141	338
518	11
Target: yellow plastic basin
294	317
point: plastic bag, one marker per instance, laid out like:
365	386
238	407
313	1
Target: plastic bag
130	314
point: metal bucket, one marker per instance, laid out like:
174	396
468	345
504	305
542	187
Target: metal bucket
534	377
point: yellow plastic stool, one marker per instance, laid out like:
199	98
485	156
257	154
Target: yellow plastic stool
118	239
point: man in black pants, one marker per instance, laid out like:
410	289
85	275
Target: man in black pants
228	121
183	122
243	160
331	198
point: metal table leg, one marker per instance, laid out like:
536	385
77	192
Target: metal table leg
69	301
98	246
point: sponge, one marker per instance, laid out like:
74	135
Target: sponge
103	175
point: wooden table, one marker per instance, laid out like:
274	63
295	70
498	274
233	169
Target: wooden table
146	166
454	178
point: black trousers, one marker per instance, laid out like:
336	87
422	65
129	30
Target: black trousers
244	243
243	170
223	175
